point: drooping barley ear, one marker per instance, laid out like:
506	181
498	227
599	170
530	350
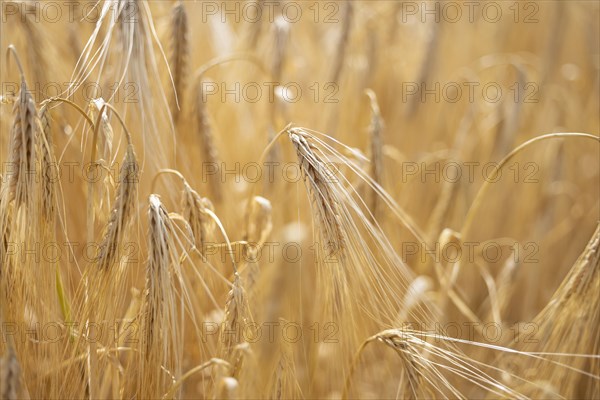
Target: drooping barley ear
194	212
179	55
284	383
409	357
159	324
24	149
48	165
104	145
237	358
317	177
21	205
10	375
586	270
237	315
396	340
342	44
419	377
563	327
210	154
122	211
375	150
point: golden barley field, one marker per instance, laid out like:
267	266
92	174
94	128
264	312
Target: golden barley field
255	199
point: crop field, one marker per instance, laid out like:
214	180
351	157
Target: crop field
253	199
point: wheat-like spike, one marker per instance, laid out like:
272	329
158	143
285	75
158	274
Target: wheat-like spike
421	374
585	270
194	212
122	210
340	57
24	149
157	271
408	355
10	376
236	317
376	149
317	177
48	164
158	318
105	131
563	327
238	354
284	382
104	146
397	340
210	154
179	55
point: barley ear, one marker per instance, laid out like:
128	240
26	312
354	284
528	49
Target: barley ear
158	349
237	315
375	150
317	177
179	55
122	210
10	375
210	155
195	213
